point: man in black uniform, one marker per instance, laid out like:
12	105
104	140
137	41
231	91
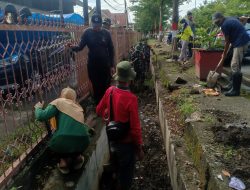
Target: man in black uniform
100	56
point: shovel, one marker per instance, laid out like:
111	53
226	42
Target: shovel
213	76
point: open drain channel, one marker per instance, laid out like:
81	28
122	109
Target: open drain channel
151	173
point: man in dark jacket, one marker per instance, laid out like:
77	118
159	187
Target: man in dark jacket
100	56
236	37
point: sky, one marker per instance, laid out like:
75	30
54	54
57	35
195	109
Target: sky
118	6
189	6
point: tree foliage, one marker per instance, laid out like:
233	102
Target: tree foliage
203	14
147	13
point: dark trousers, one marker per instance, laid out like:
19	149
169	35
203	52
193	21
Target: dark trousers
190	52
123	157
100	78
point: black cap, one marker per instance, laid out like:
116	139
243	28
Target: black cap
189	13
217	16
25	12
183	21
96	19
9	8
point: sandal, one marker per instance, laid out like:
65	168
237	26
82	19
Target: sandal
79	163
63	170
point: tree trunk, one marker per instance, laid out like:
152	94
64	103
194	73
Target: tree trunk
160	22
85	12
175	24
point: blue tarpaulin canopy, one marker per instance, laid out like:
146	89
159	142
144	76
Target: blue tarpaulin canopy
72	18
24	36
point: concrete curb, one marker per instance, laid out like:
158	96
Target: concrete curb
93	169
178	180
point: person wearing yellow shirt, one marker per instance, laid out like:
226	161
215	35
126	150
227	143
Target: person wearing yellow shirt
185	39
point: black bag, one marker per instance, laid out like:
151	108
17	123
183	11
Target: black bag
116	130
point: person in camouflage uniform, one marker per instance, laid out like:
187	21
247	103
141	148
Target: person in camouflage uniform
139	64
146	50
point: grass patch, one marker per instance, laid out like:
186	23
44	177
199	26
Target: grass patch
151	42
149	82
16	143
209	119
163	77
190	71
229	153
161	58
184	101
187	108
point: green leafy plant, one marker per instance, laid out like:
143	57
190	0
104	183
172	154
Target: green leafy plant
185	103
207	40
229	153
187	106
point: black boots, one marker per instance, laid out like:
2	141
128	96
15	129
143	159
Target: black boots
229	85
235	90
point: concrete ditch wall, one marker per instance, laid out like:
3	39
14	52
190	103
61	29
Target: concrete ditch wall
166	135
178	181
93	169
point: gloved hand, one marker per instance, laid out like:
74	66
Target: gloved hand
39	104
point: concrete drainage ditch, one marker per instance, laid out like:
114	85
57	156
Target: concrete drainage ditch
41	172
186	171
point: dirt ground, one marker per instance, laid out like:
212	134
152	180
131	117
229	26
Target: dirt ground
152	172
234	134
225	119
